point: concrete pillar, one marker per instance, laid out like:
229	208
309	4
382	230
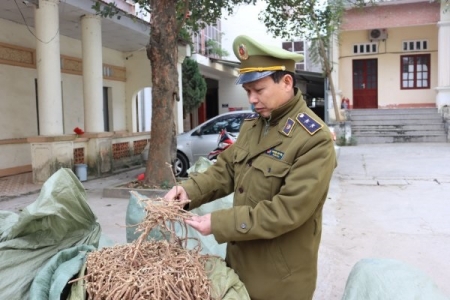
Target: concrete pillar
48	66
91	40
443	88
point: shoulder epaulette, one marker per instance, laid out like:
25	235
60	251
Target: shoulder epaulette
310	125
252	116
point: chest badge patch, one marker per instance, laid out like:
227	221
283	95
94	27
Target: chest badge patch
288	127
308	123
275	153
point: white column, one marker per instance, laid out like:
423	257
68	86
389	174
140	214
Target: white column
443	88
48	66
91	40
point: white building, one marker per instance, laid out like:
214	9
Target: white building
63	67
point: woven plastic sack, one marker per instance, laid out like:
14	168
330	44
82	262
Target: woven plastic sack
59	219
389	279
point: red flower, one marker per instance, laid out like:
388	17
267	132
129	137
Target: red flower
78	130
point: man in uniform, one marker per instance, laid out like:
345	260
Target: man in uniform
279	169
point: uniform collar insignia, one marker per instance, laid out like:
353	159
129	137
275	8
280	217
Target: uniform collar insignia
251	116
288	127
308	123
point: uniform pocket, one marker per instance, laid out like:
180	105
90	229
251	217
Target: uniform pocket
267	178
270	167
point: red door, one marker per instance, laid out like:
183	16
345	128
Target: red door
365	84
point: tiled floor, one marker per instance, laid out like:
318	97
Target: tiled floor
16	185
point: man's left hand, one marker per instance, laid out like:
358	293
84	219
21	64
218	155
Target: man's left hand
201	223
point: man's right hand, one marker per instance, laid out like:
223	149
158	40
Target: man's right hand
177	193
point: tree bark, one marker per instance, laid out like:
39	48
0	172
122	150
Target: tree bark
328	71
162	52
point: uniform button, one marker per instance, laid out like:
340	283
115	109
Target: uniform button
232	242
241	190
249	163
243	226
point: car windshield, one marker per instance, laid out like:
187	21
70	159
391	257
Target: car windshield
232	124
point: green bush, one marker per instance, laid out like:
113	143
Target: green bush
194	86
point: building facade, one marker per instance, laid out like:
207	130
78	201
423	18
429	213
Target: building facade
394	54
63	67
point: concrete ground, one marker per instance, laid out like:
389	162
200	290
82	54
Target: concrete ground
385	201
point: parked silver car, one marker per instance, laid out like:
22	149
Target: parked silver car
201	140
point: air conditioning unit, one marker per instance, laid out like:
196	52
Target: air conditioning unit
377	34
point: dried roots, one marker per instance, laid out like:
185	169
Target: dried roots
150	269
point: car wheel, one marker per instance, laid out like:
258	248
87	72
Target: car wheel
181	165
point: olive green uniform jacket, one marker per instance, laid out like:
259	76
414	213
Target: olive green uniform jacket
280	172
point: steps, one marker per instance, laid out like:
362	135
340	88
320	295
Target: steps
413	125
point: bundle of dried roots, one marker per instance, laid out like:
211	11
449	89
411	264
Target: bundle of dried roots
150	269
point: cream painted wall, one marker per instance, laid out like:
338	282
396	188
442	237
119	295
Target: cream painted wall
231	94
389	91
118	108
17	102
73	89
73	105
15	34
138	77
70	47
15	155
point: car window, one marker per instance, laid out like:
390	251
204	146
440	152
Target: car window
232	123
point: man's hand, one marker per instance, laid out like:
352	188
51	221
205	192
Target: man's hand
177	193
201	223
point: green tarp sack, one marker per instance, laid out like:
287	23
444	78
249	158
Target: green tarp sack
389	279
59	219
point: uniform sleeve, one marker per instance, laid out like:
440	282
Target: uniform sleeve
305	189
216	182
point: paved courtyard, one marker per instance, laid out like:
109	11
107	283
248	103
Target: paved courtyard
385	201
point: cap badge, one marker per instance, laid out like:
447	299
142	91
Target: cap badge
243	54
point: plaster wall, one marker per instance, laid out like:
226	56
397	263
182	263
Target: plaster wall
390	93
18	113
17	102
15	34
139	76
118	111
73	106
13	155
232	95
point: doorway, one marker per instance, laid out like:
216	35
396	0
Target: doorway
365	83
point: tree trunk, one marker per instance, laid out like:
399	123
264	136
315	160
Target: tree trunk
162	52
327	69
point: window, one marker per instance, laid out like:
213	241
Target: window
232	123
415	71
297	47
365	48
416	45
